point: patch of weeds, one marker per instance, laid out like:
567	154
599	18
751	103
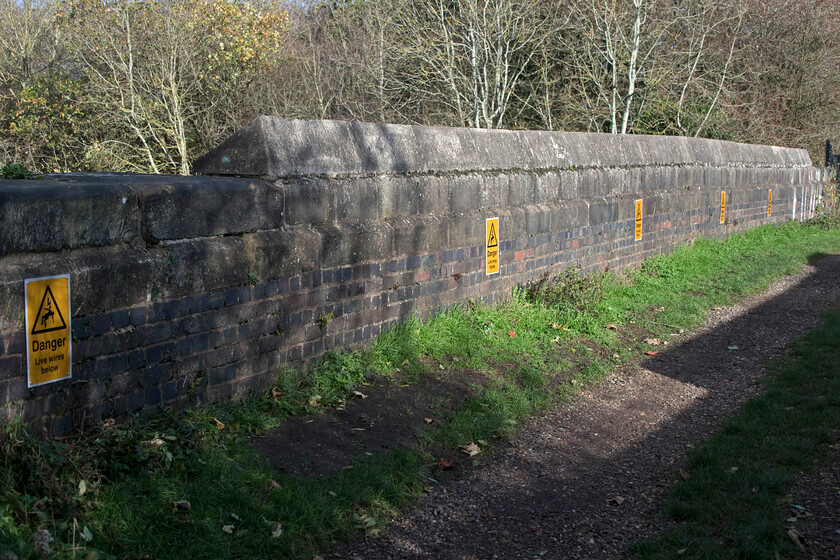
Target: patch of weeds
325	320
397	347
328	384
337	376
828	220
568	290
15	171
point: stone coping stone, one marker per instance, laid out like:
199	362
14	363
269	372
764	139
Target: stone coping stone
273	148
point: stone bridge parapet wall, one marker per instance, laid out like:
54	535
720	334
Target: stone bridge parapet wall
187	290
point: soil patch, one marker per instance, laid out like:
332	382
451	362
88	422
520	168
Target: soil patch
392	414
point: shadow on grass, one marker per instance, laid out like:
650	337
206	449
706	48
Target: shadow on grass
813	258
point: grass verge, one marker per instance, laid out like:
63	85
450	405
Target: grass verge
730	503
188	485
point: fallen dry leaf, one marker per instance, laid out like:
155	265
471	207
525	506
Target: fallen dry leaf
276	531
471	449
315	401
512	334
652	341
444	464
228	529
685	474
276	485
108	424
617	501
276	393
428	420
359	394
611	327
157	442
651	353
797	539
219	425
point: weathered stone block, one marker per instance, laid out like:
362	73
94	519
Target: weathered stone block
355	243
189	207
603	211
199	266
281	253
50	215
309	201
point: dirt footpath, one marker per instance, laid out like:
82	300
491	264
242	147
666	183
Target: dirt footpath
584	480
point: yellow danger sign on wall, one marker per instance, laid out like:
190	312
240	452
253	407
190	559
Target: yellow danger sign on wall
492	248
48	329
638	234
770	202
723	207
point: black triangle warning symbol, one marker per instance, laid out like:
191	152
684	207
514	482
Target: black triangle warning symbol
492	238
49	317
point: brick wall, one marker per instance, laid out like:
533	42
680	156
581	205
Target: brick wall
199	289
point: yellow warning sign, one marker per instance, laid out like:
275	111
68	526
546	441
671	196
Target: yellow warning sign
492	252
48	329
638	219
770	202
723	207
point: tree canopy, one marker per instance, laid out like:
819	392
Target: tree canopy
148	85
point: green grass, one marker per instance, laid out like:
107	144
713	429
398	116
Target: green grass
732	503
539	346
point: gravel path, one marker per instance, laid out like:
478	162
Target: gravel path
585	480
